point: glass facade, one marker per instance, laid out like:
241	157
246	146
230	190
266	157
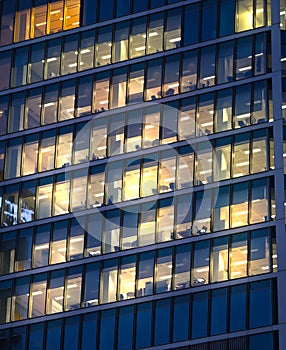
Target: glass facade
141	171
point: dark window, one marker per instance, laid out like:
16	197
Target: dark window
260	294
261	341
89	10
218	311
162	322
209	19
53	341
125	328
71	333
106	11
237	312
181	318
143	325
200	315
227	15
36	336
89	332
107	327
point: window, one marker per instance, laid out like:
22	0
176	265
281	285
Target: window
220	260
182	267
219	311
53	334
19	306
59	243
127	278
138	37
222	160
201	263
237	308
200	315
223	113
207	67
38	293
145	273
56	292
173	30
238	256
120	47
221	208
239	208
155	33
108	284
36	66
10	206
144	325
73	288
33	109
162	322
30	155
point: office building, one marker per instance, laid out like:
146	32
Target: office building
142	176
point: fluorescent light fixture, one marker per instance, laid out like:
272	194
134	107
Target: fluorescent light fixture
38	292
42	246
69	110
274	256
59	298
204	172
185	118
49	104
283	106
51	59
236	273
98	195
75	23
265	268
61	250
206	124
259	10
70	286
243	212
204	269
103	102
175	40
282	13
44	196
101	148
283	59
210	77
140	48
150	126
72	65
242	116
41	24
84	51
173	85
54	12
106	57
74	240
166	277
243	69
242	164
150	34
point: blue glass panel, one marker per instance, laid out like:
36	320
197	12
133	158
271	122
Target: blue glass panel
53	341
200	315
143	325
18	339
209	19
162	322
261	341
237	317
181	318
227	16
89	11
106	7
89	332
107	328
71	333
191	25
125	328
260	294
36	336
219	311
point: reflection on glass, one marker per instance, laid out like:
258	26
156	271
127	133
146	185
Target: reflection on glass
108	284
238	256
19	307
239	207
259	252
55	292
205	115
201	263
221	209
73	288
219	259
164	270
38	292
182	267
165	221
61	195
147	226
127	278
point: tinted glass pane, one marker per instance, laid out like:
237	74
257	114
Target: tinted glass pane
237	317
36	336
260	294
71	333
107	327
181	318
143	325
219	311
261	341
200	315
162	322
89	332
53	341
125	328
